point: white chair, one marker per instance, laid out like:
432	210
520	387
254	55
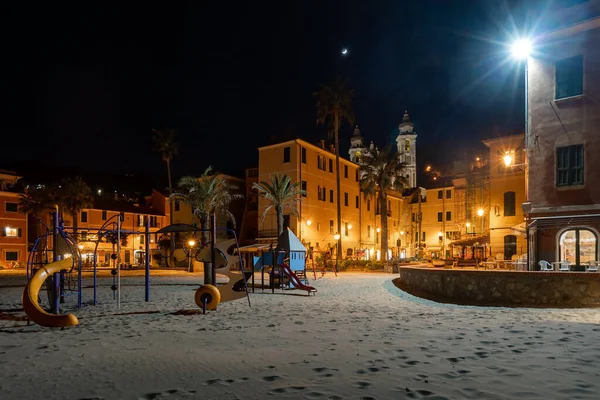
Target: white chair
592	266
564	265
545	266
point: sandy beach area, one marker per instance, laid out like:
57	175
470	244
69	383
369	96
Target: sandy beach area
360	337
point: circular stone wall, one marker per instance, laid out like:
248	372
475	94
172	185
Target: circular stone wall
550	289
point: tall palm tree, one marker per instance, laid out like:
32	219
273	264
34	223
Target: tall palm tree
165	144
380	171
207	195
73	196
281	193
334	105
38	202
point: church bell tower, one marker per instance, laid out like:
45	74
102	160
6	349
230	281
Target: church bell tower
407	149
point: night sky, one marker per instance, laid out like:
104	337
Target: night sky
83	84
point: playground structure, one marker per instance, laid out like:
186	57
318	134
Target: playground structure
63	272
285	264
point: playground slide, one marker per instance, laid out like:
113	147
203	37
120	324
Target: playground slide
30	298
296	281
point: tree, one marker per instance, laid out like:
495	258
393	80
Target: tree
334	105
37	202
282	194
381	171
207	195
165	144
73	196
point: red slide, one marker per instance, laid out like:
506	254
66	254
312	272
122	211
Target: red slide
296	281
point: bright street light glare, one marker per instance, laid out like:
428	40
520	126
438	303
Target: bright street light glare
507	159
480	212
521	49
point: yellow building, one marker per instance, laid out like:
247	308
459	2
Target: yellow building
507	193
314	167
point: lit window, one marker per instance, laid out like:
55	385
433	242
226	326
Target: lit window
11	232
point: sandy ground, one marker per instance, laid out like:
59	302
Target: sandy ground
360	337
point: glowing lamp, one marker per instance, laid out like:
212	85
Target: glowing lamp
521	49
480	212
507	159
378	229
468	224
349	226
336	236
308	222
192	243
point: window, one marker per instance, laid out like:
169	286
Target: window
286	154
569	165
318	226
368	205
331	226
510	246
440	216
330	166
142	239
11	255
11	232
303	155
103	215
448	193
12	207
319	193
357	202
453	235
177	205
407	145
413	218
357	176
578	245
569	77
84	216
345	171
331	196
416	237
346	229
368	231
440	194
346	199
509	204
424	237
448	215
303	187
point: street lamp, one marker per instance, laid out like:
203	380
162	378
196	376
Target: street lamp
349	227
336	236
480	213
191	243
468	225
521	49
308	222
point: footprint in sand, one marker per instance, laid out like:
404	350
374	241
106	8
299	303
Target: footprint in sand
271	378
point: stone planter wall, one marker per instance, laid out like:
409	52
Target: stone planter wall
562	289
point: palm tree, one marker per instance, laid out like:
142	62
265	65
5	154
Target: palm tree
380	171
37	202
166	146
334	105
207	195
281	193
73	196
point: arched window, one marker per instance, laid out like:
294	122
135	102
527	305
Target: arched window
510	246
509	204
407	145
578	245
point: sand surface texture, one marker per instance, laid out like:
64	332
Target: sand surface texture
359	338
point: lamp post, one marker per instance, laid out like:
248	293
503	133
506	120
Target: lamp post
521	50
190	243
337	253
480	213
